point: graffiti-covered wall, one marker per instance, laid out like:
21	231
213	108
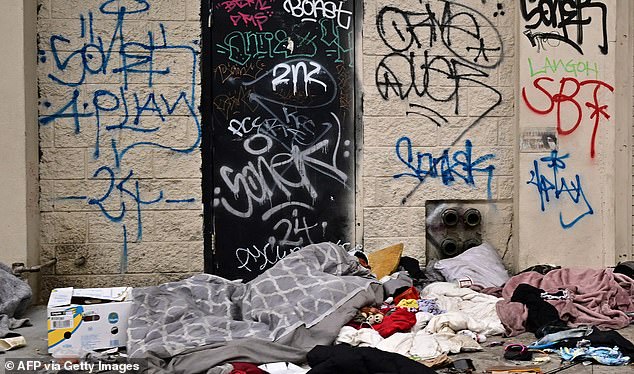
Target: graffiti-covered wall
438	115
120	139
567	132
461	102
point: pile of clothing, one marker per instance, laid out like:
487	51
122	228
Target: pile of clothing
569	310
441	319
572	312
572	297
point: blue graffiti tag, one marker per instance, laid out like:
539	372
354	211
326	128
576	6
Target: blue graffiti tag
558	185
461	166
132	110
136	58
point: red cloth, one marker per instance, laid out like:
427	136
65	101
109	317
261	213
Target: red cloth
246	368
410	293
598	298
400	320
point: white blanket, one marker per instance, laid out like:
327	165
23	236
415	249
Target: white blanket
467	309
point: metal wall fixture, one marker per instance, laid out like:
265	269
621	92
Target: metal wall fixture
19	269
470	243
452	228
450	247
472	217
450	217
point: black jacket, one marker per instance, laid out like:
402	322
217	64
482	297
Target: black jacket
361	360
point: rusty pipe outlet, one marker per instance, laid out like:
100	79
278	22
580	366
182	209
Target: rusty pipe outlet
450	247
472	217
450	217
470	243
19	268
80	261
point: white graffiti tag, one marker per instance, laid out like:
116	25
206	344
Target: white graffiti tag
312	10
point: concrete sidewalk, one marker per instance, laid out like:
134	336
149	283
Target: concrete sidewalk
35	336
491	356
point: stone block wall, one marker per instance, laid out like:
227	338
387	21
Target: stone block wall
120	132
438	116
568	85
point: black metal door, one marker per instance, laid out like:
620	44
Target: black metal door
279	159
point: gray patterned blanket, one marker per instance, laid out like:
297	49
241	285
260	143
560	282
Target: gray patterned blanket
198	323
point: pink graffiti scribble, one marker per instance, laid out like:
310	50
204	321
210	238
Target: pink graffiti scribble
231	5
257	19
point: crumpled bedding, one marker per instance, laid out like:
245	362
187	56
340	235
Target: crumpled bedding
435	335
479	310
597	297
482	264
15	298
198	323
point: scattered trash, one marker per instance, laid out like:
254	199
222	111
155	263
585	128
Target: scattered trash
461	366
562	368
480	338
385	261
464	364
12	341
601	355
541	358
517	352
422	325
437	362
513	369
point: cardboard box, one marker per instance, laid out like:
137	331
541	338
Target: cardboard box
81	320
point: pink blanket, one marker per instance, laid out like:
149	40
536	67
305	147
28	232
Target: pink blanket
597	297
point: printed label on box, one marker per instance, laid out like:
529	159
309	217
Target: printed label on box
61	320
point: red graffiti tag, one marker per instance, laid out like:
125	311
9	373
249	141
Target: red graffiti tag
230	5
257	19
568	90
247	12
